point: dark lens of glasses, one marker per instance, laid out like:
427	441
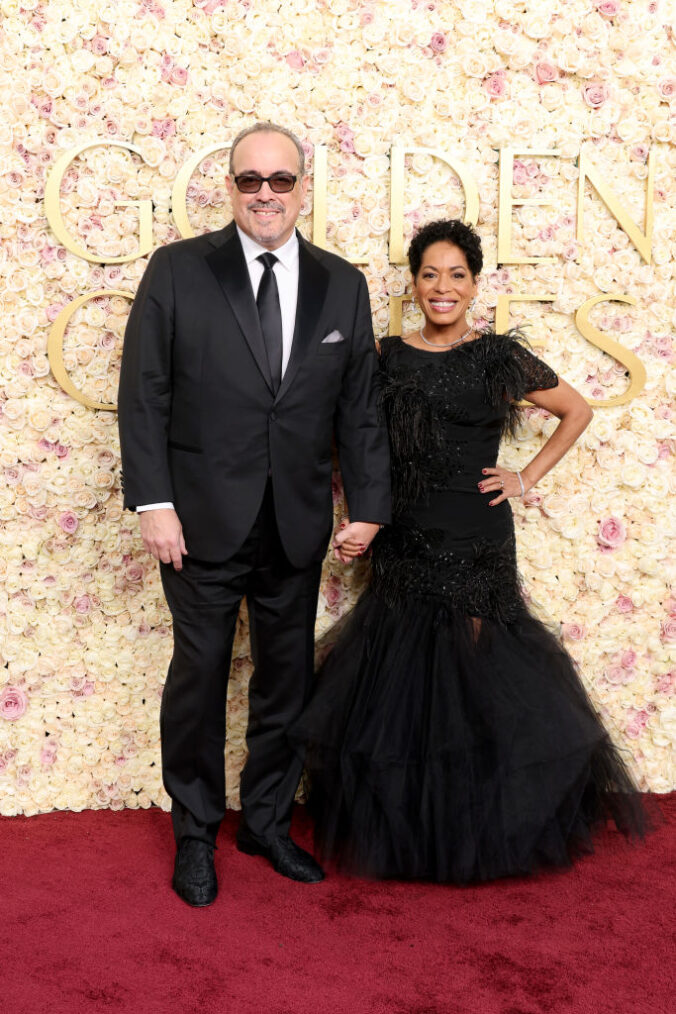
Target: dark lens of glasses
279	183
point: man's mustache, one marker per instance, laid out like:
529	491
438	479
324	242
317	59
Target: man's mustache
266	206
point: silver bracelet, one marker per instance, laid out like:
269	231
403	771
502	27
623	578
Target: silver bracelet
523	488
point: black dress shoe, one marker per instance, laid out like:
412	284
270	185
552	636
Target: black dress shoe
194	875
286	857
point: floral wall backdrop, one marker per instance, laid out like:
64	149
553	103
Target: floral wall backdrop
84	632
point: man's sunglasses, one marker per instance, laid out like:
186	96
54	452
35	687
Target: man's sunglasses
279	183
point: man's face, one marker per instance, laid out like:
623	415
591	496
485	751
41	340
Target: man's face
266	217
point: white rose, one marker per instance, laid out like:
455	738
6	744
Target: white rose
633	474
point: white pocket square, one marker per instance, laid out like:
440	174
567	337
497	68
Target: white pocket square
334	336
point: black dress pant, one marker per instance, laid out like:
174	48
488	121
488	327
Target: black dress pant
204	600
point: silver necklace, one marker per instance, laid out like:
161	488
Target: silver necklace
436	345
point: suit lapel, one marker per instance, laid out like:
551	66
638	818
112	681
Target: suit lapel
229	266
313	281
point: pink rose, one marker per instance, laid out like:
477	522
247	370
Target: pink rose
637	723
595	93
52	311
99	45
209	6
69	522
639	153
496	85
13	703
670	605
164	128
438	42
333	593
668	630
179	76
112	273
628	658
624	604
520	173
134	572
573	631
545	72
617	676
666	683
611	533
48	755
608	8
667	88
153	8
83	604
295	60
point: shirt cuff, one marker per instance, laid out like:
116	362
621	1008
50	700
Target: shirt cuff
154	507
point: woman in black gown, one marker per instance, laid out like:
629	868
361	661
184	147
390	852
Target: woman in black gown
449	736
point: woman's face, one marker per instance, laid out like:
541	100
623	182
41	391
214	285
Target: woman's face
444	286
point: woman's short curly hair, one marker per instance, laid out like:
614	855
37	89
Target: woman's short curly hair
446	230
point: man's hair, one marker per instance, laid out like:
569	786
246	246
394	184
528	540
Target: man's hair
448	230
265	127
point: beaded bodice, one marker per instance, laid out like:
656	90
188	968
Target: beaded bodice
446	411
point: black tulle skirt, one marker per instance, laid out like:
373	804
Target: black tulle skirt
442	748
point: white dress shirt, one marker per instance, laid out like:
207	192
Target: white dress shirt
286	274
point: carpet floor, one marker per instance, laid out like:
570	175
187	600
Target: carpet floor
90	924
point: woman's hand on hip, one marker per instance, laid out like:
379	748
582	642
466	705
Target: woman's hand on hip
501	481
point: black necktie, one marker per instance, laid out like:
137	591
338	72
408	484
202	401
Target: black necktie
270	315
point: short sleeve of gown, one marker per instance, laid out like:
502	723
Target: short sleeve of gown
536	375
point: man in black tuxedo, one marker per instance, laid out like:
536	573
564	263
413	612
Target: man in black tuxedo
247	350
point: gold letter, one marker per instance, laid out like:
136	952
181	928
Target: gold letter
397	311
641	240
55	347
637	374
593	335
55	218
506	202
397	195
179	192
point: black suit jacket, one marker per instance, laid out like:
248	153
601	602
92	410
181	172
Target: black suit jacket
199	424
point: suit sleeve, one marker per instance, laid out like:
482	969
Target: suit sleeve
144	400
361	438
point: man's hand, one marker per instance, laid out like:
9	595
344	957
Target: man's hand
163	536
353	539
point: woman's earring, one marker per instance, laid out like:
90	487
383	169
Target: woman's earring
472	304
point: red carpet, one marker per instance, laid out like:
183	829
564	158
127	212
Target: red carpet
90	923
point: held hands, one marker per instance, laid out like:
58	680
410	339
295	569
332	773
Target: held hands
353	539
501	481
163	536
